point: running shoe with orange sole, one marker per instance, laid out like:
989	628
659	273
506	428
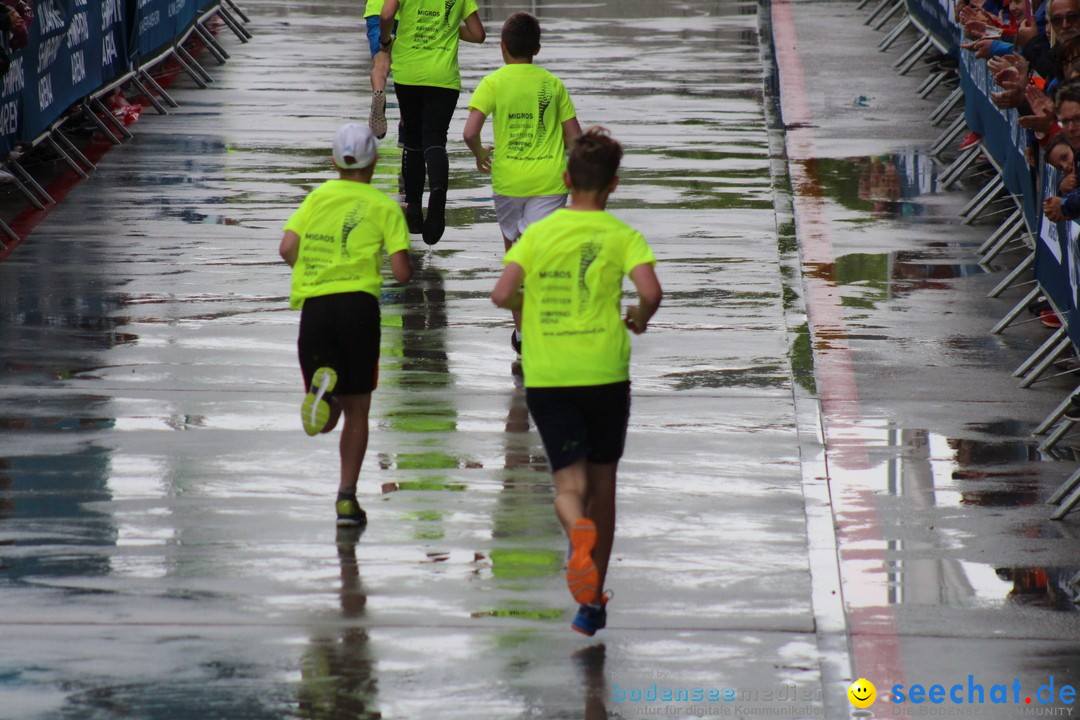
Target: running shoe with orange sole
582	577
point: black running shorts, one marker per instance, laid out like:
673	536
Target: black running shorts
581	422
341	331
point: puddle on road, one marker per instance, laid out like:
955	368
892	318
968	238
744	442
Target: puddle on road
880	186
925	479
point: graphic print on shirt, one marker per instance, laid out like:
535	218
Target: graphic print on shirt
589	252
543	99
354	217
449	6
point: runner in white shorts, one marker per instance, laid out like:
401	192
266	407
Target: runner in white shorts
534	122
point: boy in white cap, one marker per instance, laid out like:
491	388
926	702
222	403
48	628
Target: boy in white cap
334	243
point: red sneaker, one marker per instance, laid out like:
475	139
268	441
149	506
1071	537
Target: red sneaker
971	140
1050	319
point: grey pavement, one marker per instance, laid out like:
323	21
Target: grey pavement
167	546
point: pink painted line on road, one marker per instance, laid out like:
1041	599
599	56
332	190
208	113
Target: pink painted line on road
875	643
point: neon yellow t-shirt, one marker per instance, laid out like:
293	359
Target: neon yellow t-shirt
426	49
343	227
373	7
571	324
529	106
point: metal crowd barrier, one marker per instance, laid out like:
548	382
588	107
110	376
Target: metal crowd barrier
1010	190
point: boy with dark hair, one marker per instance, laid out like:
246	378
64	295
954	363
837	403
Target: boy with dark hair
577	358
534	122
334	243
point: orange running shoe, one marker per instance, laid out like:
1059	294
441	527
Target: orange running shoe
582	577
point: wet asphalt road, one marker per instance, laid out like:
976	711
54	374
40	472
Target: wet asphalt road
167	547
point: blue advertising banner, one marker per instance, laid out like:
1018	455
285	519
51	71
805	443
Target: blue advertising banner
158	23
1053	251
1002	136
75	48
936	17
11	103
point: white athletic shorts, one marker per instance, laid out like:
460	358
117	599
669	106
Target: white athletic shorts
517	213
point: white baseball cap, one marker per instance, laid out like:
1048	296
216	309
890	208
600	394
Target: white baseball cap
354	146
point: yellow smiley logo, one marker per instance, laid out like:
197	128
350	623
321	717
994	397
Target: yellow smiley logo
862	693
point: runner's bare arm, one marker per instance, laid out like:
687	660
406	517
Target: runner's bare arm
649	296
507	292
401	266
473	29
290	247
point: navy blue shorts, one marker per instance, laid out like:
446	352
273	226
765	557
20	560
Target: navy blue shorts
581	422
341	331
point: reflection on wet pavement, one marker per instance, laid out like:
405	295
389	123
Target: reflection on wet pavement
149	400
159	506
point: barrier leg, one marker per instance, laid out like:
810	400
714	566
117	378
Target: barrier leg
74	151
1038	370
877	11
1009	225
997	249
29	180
181	52
946	106
1054	415
65	157
862	4
1054	339
1069	502
96	105
932	83
959	166
914	51
892	11
25	191
92	114
148	95
1012	314
150	81
895	34
1065	489
982	198
955	130
195	77
914	54
7	231
243	16
1011	278
238	30
211	44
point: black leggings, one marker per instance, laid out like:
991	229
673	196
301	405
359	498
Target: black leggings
425	113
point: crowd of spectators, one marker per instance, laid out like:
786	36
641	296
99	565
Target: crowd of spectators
1032	49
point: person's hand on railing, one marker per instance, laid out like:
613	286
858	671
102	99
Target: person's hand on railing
1052	209
1011	95
975	30
981	48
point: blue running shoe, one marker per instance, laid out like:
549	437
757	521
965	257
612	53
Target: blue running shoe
589	619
